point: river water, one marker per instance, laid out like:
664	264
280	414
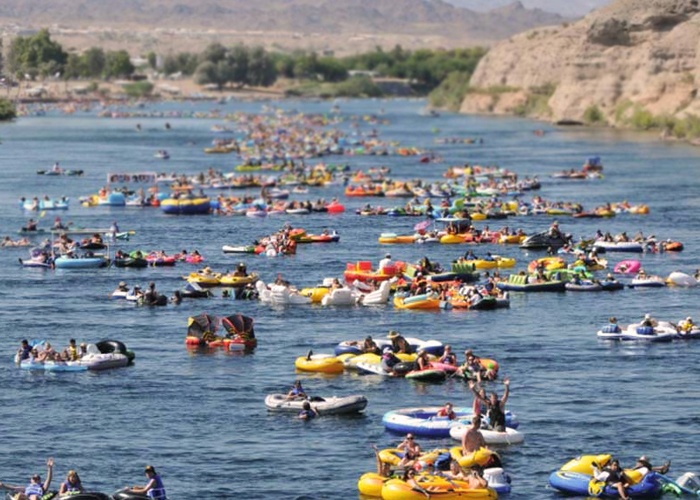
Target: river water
200	419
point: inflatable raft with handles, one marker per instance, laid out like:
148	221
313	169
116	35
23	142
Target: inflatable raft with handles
576	478
331	405
425	422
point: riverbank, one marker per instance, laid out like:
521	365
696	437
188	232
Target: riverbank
53	91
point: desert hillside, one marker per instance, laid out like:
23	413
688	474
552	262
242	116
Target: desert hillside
347	26
634	62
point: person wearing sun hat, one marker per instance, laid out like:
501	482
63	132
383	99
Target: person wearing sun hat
154	488
686	325
398	343
644	466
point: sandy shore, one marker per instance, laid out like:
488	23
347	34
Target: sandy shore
74	90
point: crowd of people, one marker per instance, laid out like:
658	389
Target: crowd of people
72	485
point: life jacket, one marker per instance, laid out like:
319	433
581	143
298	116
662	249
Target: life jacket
34	489
158	491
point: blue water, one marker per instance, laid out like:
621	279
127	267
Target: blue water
200	419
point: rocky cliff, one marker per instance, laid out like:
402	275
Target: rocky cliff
634	62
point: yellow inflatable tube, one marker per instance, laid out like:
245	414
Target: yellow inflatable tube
396	489
370	484
319	364
482	456
316	294
392	456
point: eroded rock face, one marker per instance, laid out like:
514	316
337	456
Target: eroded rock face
610	31
632	53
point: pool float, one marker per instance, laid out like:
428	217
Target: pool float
510	436
425	422
239	336
321	363
238	249
543	241
511	239
101	356
318	238
677	278
647	282
519	283
186	206
335	208
362	271
392	456
627	267
204	280
584	286
393	239
339	297
450	239
427	301
331	405
237	281
611	331
134	262
429	374
548	263
160	260
375	297
440	488
663	331
65	262
576	478
370	484
611	285
619	246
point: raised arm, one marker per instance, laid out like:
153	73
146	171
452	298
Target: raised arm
478	396
49	473
506	392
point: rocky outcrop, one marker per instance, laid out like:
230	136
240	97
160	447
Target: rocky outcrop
628	57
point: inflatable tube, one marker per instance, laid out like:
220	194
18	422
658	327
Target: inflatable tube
125	494
482	457
677	278
425	422
510	436
370	484
628	267
187	206
321	363
575	483
427	375
396	489
326	406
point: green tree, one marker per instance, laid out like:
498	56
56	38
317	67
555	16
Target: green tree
7	110
237	59
74	67
331	70
306	66
214	52
261	68
211	73
118	65
37	54
94	61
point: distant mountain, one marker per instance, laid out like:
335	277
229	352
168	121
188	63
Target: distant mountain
412	17
566	8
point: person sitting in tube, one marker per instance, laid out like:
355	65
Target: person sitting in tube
297	391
